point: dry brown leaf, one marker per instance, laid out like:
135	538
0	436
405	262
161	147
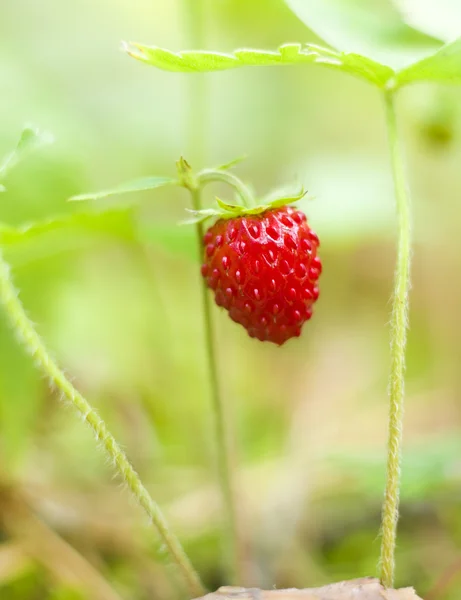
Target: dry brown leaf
366	588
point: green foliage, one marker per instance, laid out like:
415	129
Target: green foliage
46	238
115	222
441	19
288	54
111	127
336	23
65	592
170	238
352	199
231	211
354	26
426	467
444	67
31	139
21	399
138	185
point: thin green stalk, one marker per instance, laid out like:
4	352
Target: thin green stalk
399	324
32	342
222	441
195	12
213	175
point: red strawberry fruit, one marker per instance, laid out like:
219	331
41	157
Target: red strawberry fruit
263	268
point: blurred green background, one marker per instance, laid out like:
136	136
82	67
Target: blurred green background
119	305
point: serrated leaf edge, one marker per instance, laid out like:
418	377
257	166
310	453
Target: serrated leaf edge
291	53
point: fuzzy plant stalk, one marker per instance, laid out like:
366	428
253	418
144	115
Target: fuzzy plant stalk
399	324
30	339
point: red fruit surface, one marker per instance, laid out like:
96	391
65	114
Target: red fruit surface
263	269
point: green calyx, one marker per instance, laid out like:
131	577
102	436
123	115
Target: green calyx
233	211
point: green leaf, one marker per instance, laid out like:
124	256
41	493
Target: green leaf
31	139
45	238
289	54
353	194
444	67
21	397
376	32
138	185
441	19
200	60
427	467
113	221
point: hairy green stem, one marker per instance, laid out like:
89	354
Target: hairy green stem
222	440
399	324
213	175
32	342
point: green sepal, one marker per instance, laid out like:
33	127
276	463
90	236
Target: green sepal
230	164
232	211
198	216
226	207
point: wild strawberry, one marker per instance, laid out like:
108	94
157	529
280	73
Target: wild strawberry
263	268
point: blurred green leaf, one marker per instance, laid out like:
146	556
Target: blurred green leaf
441	19
31	139
359	66
199	61
21	394
172	238
444	67
377	32
45	238
65	592
114	221
426	467
138	185
353	199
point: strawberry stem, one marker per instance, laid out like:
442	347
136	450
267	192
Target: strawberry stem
28	336
399	324
221	428
195	13
217	175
